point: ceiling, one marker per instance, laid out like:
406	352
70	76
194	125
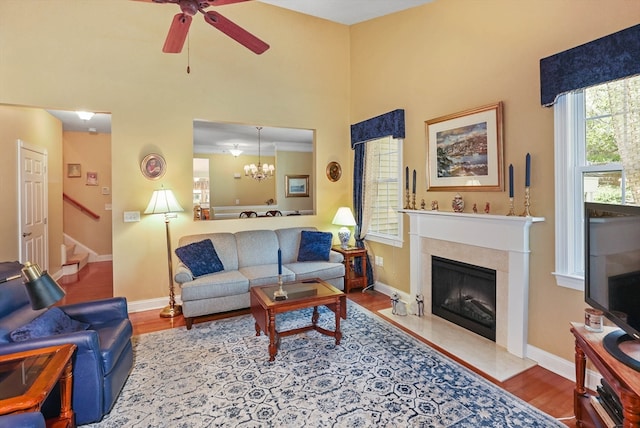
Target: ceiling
346	12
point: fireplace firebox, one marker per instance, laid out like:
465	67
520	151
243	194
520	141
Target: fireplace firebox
465	295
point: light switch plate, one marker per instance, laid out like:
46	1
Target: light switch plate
131	216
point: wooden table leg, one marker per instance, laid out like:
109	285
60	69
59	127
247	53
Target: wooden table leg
338	333
580	390
273	349
66	380
315	317
257	329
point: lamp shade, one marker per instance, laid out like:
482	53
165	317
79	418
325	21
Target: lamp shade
344	217
163	201
42	289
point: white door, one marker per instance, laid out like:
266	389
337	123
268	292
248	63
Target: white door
32	170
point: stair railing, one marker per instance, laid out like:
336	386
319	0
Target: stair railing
79	206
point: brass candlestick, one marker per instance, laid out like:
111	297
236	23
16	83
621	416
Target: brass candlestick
407	205
527	203
280	294
413	202
511	211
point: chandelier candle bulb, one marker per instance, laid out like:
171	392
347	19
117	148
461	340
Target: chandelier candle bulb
527	176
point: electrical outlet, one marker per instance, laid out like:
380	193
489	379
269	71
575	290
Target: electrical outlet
379	261
131	216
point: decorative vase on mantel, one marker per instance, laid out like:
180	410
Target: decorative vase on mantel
457	204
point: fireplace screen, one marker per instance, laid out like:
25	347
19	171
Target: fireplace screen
465	295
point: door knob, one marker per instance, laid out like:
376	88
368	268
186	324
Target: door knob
24	235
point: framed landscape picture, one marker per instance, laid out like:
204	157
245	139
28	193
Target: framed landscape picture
296	186
464	150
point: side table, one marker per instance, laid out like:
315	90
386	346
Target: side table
623	379
27	378
351	278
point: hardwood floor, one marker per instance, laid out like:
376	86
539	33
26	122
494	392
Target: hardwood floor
541	388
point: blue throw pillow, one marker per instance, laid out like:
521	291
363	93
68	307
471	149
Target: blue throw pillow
53	321
314	246
200	257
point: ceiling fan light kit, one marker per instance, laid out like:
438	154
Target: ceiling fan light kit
182	21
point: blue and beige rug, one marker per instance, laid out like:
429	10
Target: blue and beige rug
218	375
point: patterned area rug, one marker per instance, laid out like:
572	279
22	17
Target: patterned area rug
218	375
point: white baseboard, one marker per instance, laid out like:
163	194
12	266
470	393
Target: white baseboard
150	304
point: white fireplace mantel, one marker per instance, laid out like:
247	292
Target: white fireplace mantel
506	234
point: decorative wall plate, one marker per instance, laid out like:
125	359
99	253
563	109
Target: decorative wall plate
334	171
153	166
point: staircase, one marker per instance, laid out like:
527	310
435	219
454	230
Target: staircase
72	261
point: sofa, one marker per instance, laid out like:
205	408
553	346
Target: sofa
248	259
101	330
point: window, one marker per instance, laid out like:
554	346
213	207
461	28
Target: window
383	160
596	139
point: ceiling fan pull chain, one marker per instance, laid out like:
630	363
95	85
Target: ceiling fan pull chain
188	54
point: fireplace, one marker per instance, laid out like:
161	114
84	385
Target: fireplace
495	242
464	294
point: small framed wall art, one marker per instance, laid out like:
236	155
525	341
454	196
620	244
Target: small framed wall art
153	166
334	171
73	170
296	186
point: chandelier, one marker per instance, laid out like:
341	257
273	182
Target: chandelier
261	171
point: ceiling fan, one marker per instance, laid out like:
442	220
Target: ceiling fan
182	21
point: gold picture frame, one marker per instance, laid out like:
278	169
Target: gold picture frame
334	171
464	150
153	166
296	186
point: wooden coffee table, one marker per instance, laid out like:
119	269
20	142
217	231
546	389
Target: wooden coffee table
27	378
304	294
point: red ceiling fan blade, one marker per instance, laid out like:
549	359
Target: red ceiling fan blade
220	2
177	33
236	32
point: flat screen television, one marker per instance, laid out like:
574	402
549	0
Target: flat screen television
612	274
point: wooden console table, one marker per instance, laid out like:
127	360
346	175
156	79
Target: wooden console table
351	278
27	378
623	379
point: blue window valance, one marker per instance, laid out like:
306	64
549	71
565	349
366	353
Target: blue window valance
609	58
391	123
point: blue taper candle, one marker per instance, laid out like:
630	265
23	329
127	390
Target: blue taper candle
527	176
414	181
511	180
406	179
279	261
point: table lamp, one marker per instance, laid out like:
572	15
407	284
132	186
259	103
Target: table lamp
42	289
344	218
163	201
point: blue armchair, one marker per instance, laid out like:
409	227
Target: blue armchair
103	359
23	420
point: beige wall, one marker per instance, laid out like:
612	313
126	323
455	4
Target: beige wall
450	56
38	128
64	54
440	58
93	153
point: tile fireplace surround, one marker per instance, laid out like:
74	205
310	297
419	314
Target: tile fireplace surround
492	241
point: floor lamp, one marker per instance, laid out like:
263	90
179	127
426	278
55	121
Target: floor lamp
163	201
